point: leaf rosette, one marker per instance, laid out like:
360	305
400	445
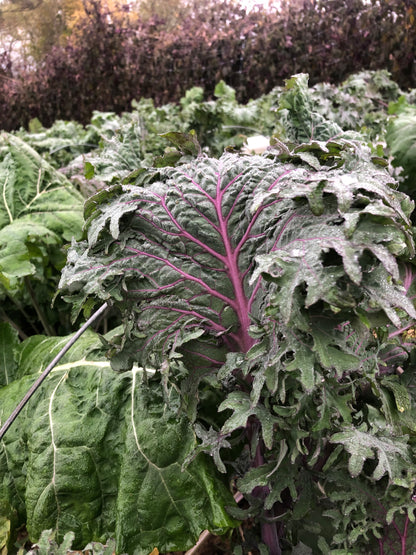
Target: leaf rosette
185	255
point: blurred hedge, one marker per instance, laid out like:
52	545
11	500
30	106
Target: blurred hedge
107	61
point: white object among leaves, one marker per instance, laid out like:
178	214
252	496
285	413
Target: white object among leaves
256	144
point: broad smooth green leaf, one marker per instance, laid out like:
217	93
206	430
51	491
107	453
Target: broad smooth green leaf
101	454
401	140
30	187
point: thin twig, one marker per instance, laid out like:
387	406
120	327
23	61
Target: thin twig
19	330
24	313
50	367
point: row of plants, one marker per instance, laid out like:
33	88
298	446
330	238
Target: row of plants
254	375
111	59
68	162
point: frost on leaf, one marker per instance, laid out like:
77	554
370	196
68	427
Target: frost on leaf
189	251
391	454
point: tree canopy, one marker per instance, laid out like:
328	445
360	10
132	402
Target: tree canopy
38	25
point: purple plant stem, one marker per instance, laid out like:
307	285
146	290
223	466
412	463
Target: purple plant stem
184	233
188	276
213	325
401	330
239	301
230	260
212	361
269	534
380	547
403	537
408	278
241	304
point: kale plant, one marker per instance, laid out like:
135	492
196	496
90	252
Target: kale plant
269	295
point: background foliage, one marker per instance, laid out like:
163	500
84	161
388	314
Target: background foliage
112	57
37	26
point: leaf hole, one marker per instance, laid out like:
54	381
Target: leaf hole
331	258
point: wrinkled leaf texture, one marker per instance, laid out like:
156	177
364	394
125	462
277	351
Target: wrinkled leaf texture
298	113
178	255
100	454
